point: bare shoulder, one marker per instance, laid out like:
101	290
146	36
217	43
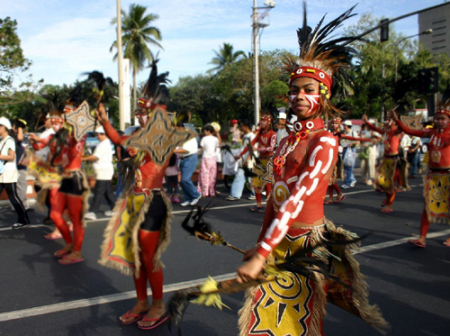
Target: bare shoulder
325	138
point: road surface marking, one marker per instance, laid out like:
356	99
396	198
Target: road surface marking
187	210
83	303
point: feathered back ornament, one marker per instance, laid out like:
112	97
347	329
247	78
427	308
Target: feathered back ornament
155	89
100	81
75	99
322	57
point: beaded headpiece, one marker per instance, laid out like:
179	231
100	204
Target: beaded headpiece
322	57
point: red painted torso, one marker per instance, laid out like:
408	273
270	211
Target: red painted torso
267	142
71	153
439	148
297	162
391	141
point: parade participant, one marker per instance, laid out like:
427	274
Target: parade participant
9	173
294	220
266	139
139	231
48	179
436	186
338	172
389	169
66	151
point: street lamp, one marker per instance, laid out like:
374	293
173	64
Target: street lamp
257	25
425	32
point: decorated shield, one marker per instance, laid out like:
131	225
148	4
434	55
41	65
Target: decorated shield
81	120
159	137
413	122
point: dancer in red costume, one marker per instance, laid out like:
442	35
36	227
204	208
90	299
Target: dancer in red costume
436	183
47	194
73	193
139	232
267	142
338	170
294	220
389	172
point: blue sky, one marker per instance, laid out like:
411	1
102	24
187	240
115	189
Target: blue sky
64	38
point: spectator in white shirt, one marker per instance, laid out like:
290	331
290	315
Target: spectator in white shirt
104	171
188	163
208	166
10	174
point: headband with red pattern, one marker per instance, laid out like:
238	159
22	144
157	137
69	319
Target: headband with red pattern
314	73
443	111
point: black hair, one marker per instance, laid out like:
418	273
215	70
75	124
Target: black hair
19	123
210	129
246	123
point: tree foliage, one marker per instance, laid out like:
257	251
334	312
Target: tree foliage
229	94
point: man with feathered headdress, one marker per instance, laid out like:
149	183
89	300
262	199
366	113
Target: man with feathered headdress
294	220
139	231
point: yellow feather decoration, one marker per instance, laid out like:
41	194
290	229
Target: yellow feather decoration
209	298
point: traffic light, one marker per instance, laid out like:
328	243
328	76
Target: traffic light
384	30
428	80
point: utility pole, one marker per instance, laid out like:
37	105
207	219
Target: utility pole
256	98
120	58
257	24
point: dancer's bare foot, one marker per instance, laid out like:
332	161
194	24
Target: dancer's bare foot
420	242
141	307
65	251
447	242
157	310
71	258
387	209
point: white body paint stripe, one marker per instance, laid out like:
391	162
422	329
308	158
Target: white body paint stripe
331	141
316	169
312	159
292	179
313	187
330	161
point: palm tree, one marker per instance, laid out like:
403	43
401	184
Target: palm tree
225	56
137	33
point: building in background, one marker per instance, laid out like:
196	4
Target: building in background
437	19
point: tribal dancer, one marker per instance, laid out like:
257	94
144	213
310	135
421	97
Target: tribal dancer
73	193
437	180
48	178
267	142
294	220
391	168
338	170
139	231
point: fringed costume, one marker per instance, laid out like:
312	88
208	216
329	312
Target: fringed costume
393	168
139	231
437	180
266	139
294	220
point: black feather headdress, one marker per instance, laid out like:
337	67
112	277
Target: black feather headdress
100	81
155	90
323	57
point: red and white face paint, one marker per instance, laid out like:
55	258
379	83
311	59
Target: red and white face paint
56	123
313	100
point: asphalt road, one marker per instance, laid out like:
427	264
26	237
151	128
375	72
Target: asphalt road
38	296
